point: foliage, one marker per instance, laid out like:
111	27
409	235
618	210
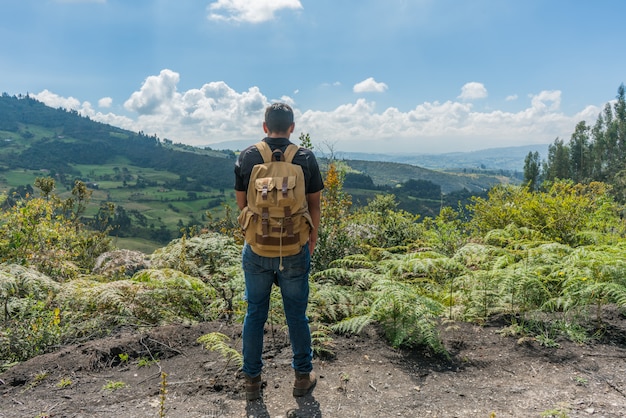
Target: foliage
595	153
216	341
216	259
550	260
46	233
380	224
565	212
403	306
202	255
445	233
333	242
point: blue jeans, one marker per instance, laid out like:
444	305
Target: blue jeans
260	273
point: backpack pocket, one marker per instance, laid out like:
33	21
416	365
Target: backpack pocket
275	191
244	218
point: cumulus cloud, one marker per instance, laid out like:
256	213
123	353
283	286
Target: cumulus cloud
511	98
215	113
105	102
85	109
56	101
547	101
249	11
370	85
472	91
155	91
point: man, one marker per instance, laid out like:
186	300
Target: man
290	272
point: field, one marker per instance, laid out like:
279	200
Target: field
136	189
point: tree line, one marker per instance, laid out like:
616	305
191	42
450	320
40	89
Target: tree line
593	153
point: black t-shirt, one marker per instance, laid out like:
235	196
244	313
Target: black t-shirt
305	158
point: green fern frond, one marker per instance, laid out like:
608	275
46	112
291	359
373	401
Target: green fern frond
8	285
334	303
336	275
407	316
321	341
30	282
216	341
478	256
199	256
169	278
355	261
353	325
439	269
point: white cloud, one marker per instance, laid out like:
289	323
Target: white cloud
473	90
547	101
105	102
56	101
511	98
156	91
216	113
369	86
250	11
85	109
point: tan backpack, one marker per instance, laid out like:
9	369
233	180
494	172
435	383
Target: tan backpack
276	222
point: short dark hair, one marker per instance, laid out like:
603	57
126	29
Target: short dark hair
278	117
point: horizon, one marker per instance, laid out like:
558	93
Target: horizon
418	77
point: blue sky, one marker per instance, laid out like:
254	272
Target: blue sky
395	76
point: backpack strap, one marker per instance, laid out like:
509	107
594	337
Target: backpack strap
290	152
266	151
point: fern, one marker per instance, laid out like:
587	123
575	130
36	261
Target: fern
321	341
216	341
8	289
199	256
478	256
353	325
407	316
330	303
437	269
355	261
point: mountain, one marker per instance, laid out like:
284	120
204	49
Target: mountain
491	159
509	159
34	136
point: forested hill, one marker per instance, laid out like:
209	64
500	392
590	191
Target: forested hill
159	188
35	136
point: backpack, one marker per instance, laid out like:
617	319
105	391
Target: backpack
276	221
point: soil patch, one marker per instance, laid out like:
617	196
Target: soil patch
487	375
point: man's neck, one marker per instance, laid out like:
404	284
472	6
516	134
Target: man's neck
278	135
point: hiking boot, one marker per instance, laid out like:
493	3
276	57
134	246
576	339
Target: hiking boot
304	384
253	387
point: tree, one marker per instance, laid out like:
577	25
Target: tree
46	185
305	141
333	241
557	166
47	234
620	121
531	170
580	153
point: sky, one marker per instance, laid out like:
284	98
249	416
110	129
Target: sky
381	76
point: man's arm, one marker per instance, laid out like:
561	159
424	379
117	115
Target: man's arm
242	199
313	200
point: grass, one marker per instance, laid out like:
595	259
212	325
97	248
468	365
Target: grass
112	386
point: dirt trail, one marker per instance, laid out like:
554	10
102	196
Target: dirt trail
488	375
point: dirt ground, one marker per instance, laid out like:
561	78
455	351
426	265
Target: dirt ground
487	375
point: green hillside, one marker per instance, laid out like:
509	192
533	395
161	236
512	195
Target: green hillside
159	187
